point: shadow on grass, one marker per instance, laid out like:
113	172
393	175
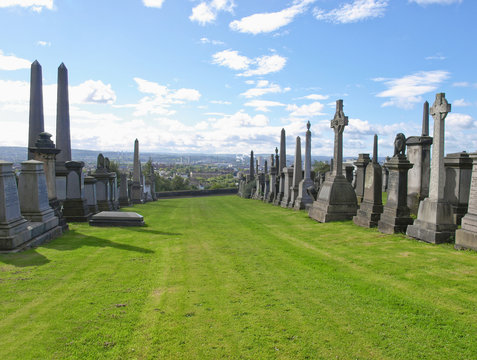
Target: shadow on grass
24	259
146	230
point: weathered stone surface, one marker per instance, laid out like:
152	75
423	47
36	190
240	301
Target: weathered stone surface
337	198
361	163
36	119
124	199
435	223
304	199
288	179
297	174
75	206
458	168
63	138
282	165
136	188
117	218
90	194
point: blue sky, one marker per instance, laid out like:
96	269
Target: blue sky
224	76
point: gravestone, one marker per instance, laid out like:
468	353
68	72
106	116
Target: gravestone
36	118
123	191
396	215
304	200
90	194
117	218
361	164
371	207
63	137
103	191
288	180
466	236
385	174
349	170
252	164
136	188
281	167
273	178
336	199
266	182
458	168
419	154
297	174
435	221
75	206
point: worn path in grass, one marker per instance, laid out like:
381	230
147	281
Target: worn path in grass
224	277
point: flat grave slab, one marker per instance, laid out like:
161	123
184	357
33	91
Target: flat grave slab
117	218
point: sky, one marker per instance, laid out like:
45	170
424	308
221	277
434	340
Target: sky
225	76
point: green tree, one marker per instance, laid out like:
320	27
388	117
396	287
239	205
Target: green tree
321	167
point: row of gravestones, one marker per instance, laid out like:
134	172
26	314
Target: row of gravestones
442	190
52	189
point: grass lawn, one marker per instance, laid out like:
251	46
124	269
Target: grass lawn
225	277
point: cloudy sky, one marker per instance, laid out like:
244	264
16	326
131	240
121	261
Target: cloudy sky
224	76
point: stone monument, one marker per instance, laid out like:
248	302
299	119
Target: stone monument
304	200
435	221
281	167
361	164
136	189
36	119
123	191
458	168
103	189
371	207
75	206
336	199
297	174
90	194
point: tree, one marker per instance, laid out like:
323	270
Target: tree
321	167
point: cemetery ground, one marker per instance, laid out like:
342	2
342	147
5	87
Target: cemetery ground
226	277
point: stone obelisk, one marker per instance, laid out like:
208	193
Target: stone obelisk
136	189
36	122
337	198
304	199
63	138
297	174
282	164
252	169
435	222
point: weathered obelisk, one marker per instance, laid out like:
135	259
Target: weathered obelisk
136	189
36	122
282	164
297	174
63	138
304	199
252	169
435	222
336	199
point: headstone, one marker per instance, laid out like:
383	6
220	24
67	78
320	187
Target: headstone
349	169
385	174
103	189
75	206
457	187
273	178
288	180
304	200
36	121
115	218
63	138
361	164
371	207
136	189
466	236
123	191
90	194
336	199
297	174
396	215
419	154
281	167
435	221
266	182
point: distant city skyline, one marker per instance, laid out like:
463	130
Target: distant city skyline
224	76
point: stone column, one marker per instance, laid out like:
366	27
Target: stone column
13	226
419	153
75	207
90	194
458	168
281	167
297	174
36	122
273	178
63	138
252	164
136	189
336	200
266	182
304	200
361	164
123	191
396	215
371	207
435	222
466	236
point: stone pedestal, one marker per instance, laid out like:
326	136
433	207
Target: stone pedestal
396	215
75	207
458	168
297	174
123	191
466	236
349	169
90	194
280	171
103	188
419	154
113	186
361	163
288	180
272	185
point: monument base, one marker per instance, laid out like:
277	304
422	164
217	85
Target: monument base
93	209
76	210
336	201
465	240
56	206
124	202
304	199
120	218
368	215
278	199
434	223
105	205
394	220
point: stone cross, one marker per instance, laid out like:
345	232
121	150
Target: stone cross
439	111
338	124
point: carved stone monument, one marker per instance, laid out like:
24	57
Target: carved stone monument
75	206
458	178
103	191
304	200
136	189
435	221
273	178
36	119
361	164
371	207
90	194
336	199
297	174
124	199
281	166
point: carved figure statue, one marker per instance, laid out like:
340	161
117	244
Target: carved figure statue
400	144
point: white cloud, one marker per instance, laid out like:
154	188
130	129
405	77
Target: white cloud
307	110
206	12
11	62
205	40
162	98
460	103
92	91
264	87
356	11
316	97
441	2
405	92
153	3
35	5
268	22
438	56
220	102
459	121
231	59
43	43
263	105
262	65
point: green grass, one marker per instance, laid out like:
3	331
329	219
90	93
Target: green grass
225	277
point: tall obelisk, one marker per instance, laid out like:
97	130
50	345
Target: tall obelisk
63	138
37	122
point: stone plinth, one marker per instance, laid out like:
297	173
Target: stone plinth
288	179
123	191
90	194
75	206
361	163
117	218
458	168
419	154
113	186
396	215
103	187
371	207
